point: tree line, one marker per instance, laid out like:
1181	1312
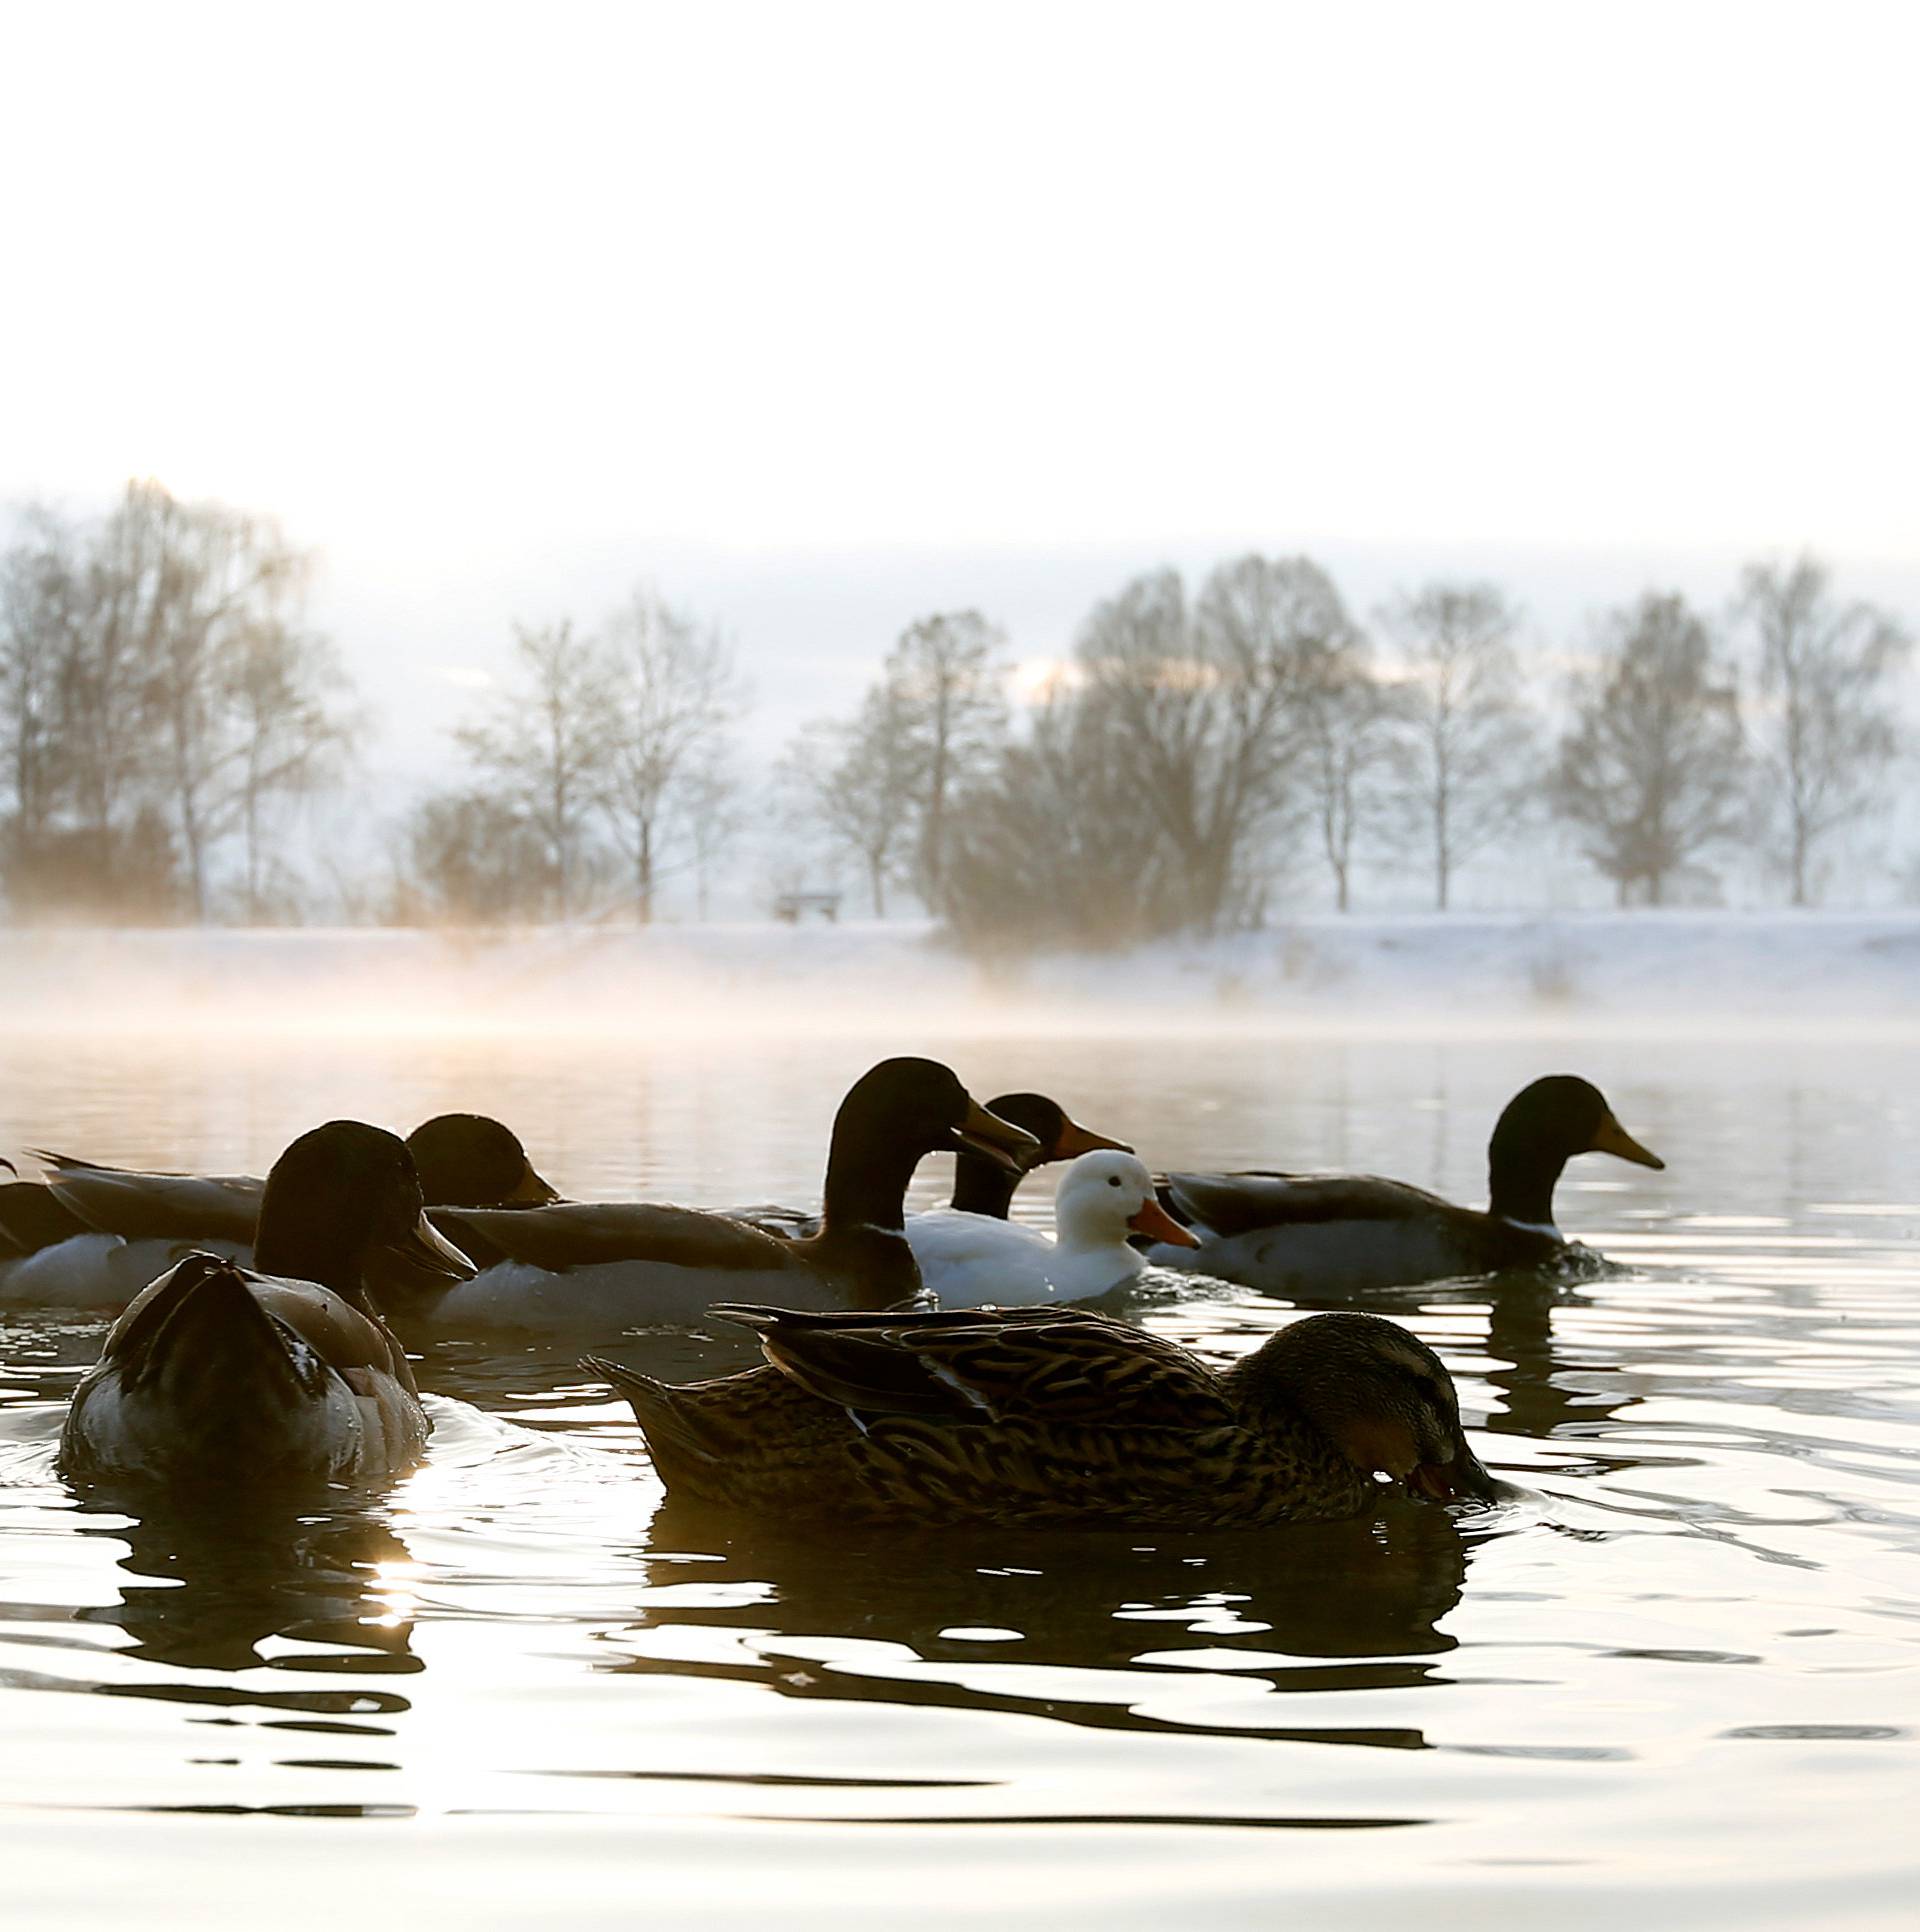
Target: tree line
162	706
165	709
1202	746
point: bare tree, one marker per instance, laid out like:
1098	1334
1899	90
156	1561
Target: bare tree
1058	845
1466	730
1212	707
1828	732
860	780
284	688
195	580
945	682
715	820
39	592
1349	720
130	681
672	691
1652	771
473	858
549	744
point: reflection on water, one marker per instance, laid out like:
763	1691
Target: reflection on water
1686	1656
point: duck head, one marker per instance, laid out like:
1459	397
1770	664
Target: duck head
338	1195
1542	1128
1380	1395
893	1116
983	1186
1104	1197
469	1160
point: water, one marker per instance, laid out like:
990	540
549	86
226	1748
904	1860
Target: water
1679	1677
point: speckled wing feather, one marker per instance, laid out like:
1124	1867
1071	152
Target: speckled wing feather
1058	1366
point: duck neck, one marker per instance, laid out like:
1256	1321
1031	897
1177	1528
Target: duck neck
1520	1184
982	1187
866	1183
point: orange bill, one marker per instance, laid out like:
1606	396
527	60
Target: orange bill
1155	1222
1073	1140
1611	1138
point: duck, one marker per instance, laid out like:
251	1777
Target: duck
1348	1233
617	1264
1056	1417
93	1236
972	1260
281	1374
980	1185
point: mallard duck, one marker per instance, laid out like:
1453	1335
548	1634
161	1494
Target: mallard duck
220	1374
974	1260
91	1236
980	1185
1054	1417
615	1264
1345	1233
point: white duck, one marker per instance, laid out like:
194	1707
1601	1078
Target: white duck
976	1261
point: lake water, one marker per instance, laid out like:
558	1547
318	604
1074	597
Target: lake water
1678	1679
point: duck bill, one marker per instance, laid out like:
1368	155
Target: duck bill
432	1253
531	1191
997	1140
1158	1225
1463	1479
1073	1140
1612	1138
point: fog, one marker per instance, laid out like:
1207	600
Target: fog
1643	976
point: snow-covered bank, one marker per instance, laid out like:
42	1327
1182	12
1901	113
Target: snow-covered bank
1640	973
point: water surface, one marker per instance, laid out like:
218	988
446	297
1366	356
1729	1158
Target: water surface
1679	1675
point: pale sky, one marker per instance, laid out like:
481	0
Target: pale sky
819	316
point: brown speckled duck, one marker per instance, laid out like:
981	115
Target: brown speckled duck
1053	1416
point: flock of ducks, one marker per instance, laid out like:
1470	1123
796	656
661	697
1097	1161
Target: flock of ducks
938	1368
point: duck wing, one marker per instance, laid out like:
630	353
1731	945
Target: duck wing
584	1234
154	1206
1053	1366
1231	1204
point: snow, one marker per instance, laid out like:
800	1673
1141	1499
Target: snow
1561	974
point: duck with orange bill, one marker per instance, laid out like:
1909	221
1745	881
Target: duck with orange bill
1347	1233
1105	1200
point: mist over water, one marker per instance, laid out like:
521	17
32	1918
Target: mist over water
1680	1664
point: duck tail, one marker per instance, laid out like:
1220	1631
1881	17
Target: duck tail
199	1335
674	1437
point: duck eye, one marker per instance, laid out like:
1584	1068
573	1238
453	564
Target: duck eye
1113	1180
